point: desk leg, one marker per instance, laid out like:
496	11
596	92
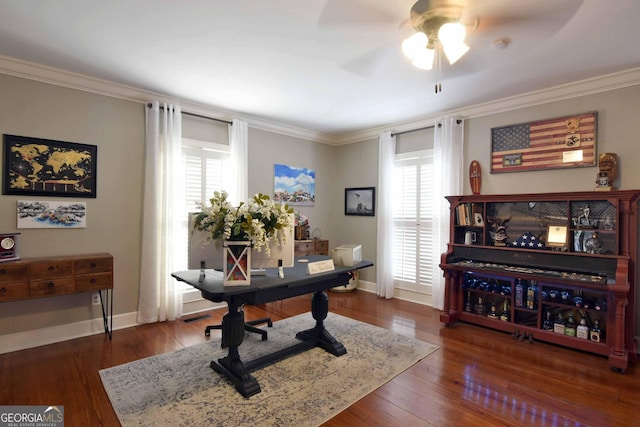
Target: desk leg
319	310
231	366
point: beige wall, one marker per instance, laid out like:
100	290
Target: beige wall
618	112
41	110
267	149
116	127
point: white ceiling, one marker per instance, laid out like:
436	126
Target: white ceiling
328	66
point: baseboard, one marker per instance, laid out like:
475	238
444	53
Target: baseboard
54	334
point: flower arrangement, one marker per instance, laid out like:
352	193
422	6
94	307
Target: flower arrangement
301	220
260	221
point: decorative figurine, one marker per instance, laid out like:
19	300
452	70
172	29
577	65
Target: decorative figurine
593	245
608	170
498	231
583	220
475	177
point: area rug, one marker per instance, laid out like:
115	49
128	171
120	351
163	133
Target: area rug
180	389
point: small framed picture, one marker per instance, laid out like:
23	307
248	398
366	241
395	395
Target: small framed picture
360	201
477	219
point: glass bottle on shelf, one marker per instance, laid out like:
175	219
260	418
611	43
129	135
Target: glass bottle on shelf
519	296
492	312
570	327
582	331
596	332
547	324
467	303
505	316
558	324
479	308
531	295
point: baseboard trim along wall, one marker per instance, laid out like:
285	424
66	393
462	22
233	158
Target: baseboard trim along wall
54	334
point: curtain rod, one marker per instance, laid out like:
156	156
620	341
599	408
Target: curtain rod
423	128
198	115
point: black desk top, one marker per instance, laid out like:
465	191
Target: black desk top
269	287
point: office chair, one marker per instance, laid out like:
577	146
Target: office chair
249	326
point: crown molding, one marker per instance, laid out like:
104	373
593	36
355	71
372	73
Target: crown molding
32	71
626	78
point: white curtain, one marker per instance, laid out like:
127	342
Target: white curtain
239	154
160	295
448	175
384	247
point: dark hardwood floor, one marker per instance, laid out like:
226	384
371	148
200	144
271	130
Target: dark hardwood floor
478	377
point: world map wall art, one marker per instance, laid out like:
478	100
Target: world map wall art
43	167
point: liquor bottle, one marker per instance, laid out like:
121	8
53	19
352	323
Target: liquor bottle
492	312
570	327
519	297
582	331
596	332
601	304
558	324
505	316
467	303
547	324
479	308
531	295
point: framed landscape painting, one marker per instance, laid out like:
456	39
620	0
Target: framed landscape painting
44	167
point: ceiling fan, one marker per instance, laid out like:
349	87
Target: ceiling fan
488	25
441	27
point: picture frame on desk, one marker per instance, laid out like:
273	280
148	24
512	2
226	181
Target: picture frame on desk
45	167
360	201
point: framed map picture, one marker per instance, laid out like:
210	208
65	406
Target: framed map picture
43	167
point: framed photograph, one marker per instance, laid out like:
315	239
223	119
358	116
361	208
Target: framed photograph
360	201
564	142
44	167
557	236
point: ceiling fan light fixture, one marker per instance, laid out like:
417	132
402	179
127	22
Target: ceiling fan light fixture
413	46
452	35
424	61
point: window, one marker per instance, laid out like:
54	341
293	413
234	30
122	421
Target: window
413	219
205	164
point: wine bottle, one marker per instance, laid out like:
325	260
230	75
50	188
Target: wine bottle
479	308
582	331
547	324
492	312
570	327
596	332
531	295
467	303
558	324
505	316
519	297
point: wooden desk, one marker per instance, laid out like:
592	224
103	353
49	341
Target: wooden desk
265	289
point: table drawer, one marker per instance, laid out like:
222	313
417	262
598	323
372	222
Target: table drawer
47	287
51	269
304	248
322	247
10	273
13	291
94	265
94	282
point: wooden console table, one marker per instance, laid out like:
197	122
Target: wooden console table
30	278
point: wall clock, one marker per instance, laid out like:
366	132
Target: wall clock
9	247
